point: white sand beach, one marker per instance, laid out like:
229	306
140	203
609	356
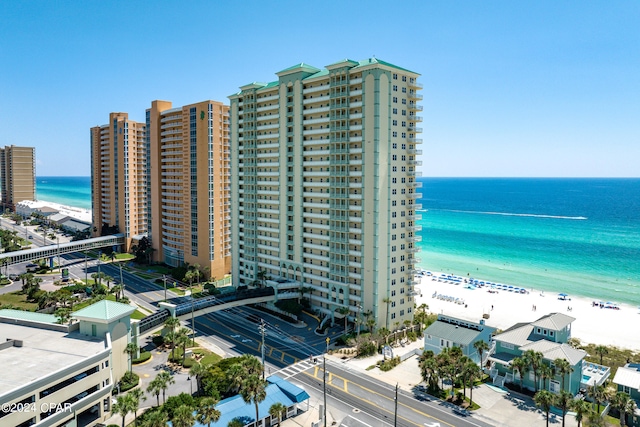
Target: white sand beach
607	326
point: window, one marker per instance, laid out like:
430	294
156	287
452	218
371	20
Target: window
404	101
404	90
395	111
395	99
395	123
395	88
404	78
404	124
395	76
395	134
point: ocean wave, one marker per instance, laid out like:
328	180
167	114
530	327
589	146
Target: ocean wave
576	218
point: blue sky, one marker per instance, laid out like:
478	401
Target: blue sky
526	88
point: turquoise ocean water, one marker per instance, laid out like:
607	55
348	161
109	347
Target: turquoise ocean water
66	190
579	236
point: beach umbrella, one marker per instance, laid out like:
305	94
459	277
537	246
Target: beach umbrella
563	295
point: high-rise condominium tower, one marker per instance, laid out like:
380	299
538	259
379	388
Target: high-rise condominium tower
17	175
324	187
118	178
189	218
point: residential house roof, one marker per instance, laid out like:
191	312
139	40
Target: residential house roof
552	350
555	321
628	376
457	333
104	311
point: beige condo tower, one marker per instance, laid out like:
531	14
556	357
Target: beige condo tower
324	188
17	175
119	178
189	185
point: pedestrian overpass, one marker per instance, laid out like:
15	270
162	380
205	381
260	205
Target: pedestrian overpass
211	304
50	251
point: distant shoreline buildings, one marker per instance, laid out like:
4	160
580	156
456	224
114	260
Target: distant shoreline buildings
17	175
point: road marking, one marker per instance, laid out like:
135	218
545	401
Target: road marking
345	381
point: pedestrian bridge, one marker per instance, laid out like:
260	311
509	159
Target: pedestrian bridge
50	251
211	304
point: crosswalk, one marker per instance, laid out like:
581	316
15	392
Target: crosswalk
292	370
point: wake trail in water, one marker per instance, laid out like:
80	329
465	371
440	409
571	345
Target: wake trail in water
574	218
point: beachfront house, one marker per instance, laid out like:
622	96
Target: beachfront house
627	379
449	332
547	335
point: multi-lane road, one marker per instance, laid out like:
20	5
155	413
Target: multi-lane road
287	350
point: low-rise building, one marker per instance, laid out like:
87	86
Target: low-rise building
61	375
627	380
549	335
452	332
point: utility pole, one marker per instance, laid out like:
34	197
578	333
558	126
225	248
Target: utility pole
58	242
86	270
324	386
121	281
193	325
261	328
358	321
99	256
395	413
164	279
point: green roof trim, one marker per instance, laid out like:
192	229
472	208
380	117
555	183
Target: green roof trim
270	85
28	316
104	310
320	73
381	62
302	67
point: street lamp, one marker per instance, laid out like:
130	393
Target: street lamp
164	279
261	328
86	269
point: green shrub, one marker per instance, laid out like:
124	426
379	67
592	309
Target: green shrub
389	364
188	362
129	380
366	348
144	356
158	340
290	306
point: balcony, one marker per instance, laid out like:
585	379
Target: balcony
413	128
415	85
415	95
415	140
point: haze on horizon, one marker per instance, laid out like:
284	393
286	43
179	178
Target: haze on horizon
511	89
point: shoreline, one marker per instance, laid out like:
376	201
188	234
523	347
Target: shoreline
593	324
82	214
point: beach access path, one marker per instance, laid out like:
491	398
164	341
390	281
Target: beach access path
593	324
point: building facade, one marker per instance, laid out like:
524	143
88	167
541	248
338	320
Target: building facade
167	179
17	175
62	375
324	187
119	178
189	173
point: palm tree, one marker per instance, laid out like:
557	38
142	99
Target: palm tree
131	349
521	366
172	323
563	367
345	312
545	373
197	371
429	369
623	403
136	395
235	375
164	379
183	416
251	364
473	373
387	301
371	323
155	419
534	360
277	410
122	407
481	346
581	407
598	394
544	399
182	338
262	277
116	290
563	402
206	412
384	332
601	350
155	387
236	422
63	315
254	390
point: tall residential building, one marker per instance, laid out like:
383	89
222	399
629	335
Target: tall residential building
17	175
324	187
119	178
189	219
